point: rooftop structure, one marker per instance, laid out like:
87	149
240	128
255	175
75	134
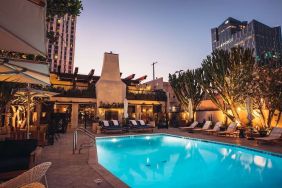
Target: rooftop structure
253	35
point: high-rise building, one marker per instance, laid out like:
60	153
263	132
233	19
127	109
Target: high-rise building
253	35
61	52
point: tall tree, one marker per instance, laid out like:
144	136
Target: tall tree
267	88
187	89
225	76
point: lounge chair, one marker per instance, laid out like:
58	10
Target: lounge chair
110	126
275	134
190	127
141	123
134	126
205	127
215	129
231	130
34	174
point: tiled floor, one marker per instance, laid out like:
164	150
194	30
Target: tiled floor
81	170
68	170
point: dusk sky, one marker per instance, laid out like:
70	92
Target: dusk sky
175	33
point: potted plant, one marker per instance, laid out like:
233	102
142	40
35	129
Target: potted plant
263	130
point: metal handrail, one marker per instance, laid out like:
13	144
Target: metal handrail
85	132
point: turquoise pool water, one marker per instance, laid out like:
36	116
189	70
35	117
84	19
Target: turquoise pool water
169	161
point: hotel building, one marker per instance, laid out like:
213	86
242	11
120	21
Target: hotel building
61	53
104	96
253	35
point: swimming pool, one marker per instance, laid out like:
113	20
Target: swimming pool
162	160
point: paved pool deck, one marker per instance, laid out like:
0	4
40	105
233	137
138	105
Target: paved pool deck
83	171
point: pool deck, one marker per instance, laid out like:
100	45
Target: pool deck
82	170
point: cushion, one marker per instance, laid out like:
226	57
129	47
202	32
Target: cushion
194	124
115	122
14	164
207	125
17	148
142	122
106	123
217	126
133	122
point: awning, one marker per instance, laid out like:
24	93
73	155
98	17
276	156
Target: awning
22	92
23	26
24	72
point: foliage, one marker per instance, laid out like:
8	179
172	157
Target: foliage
157	95
186	88
225	79
267	86
62	7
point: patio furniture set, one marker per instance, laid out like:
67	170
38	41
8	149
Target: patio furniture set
232	130
114	126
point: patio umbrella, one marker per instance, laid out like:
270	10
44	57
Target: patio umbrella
24	72
125	108
27	95
23	26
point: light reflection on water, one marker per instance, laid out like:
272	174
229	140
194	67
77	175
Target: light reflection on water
166	161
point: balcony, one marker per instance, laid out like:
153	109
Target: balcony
157	95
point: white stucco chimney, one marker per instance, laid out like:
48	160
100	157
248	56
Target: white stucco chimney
110	88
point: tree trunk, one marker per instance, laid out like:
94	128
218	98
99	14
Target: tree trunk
278	118
7	114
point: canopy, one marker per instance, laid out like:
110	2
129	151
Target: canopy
24	72
23	26
22	92
27	95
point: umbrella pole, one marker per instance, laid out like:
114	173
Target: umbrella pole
28	109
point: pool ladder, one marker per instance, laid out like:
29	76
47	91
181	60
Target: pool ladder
83	145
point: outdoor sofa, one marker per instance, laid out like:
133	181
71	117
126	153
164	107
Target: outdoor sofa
112	126
17	156
139	126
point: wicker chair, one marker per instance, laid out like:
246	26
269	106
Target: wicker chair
33	175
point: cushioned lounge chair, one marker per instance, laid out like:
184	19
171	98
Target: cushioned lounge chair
215	129
231	130
142	123
190	127
138	127
110	126
206	126
275	134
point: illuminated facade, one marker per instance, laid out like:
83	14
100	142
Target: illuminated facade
104	96
253	35
61	53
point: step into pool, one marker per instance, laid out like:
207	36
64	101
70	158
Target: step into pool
162	160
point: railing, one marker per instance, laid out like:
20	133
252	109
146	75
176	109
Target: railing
157	95
83	145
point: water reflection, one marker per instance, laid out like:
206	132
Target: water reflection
171	161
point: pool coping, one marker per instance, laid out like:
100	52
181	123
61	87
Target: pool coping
118	183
